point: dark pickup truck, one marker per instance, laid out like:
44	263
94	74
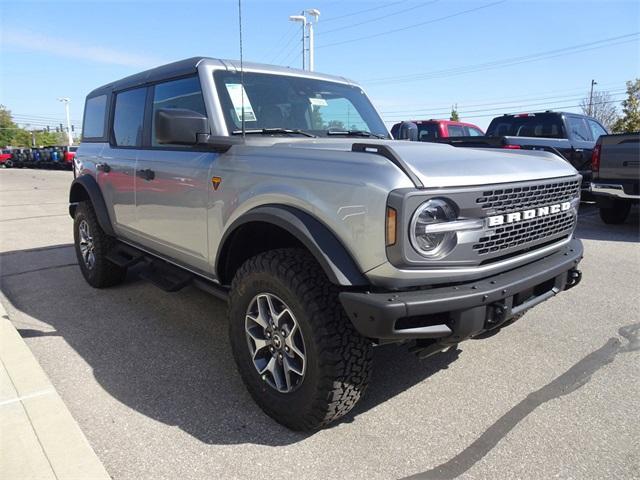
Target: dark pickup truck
569	135
616	175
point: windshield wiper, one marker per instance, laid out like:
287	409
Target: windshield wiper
354	133
273	131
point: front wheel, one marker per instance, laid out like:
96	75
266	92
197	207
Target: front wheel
297	352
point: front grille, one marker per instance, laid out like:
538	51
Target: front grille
524	233
506	200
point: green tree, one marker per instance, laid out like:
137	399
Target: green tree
630	120
7	127
454	113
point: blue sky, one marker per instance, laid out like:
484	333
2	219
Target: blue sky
414	58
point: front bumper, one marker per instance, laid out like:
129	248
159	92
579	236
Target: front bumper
615	190
452	314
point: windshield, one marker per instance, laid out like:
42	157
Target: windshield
534	125
295	103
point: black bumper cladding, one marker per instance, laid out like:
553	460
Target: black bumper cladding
455	313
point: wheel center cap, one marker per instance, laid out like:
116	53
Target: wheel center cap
277	341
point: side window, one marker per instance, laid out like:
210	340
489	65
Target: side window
578	128
456	131
94	117
184	93
596	129
128	117
474	132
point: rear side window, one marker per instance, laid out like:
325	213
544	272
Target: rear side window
596	129
578	128
94	117
427	132
475	132
128	117
184	93
456	131
538	125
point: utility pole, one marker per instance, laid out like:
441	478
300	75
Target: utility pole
593	82
66	101
302	19
315	13
307	35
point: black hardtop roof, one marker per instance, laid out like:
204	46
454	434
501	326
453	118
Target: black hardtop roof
170	70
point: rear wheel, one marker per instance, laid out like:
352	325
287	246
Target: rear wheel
92	245
297	352
616	213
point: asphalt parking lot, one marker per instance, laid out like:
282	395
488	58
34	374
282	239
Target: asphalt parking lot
149	376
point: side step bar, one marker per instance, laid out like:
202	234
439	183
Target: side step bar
162	274
165	276
124	256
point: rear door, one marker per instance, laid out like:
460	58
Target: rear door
582	142
172	183
117	164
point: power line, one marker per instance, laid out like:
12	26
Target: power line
389	32
508	61
291	34
383	17
513	98
515	102
495	113
339	17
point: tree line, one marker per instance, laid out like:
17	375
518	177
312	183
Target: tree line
11	134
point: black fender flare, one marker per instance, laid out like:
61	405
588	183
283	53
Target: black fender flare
86	186
329	252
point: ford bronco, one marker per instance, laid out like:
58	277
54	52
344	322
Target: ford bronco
282	192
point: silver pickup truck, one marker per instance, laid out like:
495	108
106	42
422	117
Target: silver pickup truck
282	192
616	175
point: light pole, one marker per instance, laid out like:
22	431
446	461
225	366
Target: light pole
303	20
66	101
593	82
315	13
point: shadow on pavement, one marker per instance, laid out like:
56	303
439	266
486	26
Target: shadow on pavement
591	227
167	355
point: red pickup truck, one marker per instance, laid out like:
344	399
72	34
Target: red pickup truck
432	130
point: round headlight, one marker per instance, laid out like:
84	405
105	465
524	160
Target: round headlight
432	244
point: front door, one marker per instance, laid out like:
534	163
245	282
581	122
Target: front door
172	184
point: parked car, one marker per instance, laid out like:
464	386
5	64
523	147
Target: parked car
569	135
325	240
69	154
431	130
6	158
616	175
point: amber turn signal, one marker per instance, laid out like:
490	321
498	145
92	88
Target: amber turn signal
391	226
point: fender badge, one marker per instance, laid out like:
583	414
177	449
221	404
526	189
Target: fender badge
216	181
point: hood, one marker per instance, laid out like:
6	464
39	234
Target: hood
442	165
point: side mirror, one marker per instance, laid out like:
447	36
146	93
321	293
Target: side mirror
408	131
179	126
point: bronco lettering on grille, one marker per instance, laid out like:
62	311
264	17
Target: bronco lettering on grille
496	220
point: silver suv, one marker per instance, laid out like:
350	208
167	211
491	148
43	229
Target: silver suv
283	192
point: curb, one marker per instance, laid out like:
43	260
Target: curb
40	439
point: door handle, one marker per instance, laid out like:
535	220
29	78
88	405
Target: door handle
103	167
146	174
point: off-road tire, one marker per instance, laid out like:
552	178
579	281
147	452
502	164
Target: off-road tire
617	213
338	358
104	273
